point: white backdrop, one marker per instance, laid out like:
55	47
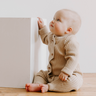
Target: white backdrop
46	9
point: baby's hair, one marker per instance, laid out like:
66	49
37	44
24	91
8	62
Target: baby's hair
76	23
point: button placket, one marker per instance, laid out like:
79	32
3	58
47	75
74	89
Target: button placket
55	43
53	40
49	68
56	40
52	45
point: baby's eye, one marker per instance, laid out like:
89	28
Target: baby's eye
58	19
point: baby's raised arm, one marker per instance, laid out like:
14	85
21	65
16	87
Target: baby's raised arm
40	23
43	32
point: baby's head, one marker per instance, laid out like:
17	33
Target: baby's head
65	22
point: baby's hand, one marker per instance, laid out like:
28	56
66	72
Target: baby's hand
63	76
40	23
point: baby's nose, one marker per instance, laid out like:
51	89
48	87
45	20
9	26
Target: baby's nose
52	21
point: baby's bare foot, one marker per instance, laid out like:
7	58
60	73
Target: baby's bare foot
44	88
36	87
32	87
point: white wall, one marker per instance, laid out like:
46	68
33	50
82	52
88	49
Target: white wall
20	51
47	8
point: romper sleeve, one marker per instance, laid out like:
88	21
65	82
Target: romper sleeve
71	55
44	35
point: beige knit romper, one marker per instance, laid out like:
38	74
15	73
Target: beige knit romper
63	57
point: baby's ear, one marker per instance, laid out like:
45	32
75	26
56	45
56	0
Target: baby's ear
69	30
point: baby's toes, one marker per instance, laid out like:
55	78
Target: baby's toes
27	87
42	89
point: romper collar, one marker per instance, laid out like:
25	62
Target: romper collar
66	35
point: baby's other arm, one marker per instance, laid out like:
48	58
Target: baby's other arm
63	76
71	56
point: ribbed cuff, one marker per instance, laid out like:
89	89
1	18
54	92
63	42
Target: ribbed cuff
43	30
67	71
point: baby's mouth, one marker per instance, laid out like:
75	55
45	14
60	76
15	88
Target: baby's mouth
51	25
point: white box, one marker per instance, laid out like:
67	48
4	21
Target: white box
22	53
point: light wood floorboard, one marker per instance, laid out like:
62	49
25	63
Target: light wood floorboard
88	89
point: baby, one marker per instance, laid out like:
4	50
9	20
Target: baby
63	74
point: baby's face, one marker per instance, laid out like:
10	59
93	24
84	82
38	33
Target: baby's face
58	25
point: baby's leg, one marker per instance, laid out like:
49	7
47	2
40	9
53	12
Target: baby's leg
39	84
73	83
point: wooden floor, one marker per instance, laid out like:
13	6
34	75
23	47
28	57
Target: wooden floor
88	89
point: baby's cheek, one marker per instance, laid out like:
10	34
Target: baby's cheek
57	28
